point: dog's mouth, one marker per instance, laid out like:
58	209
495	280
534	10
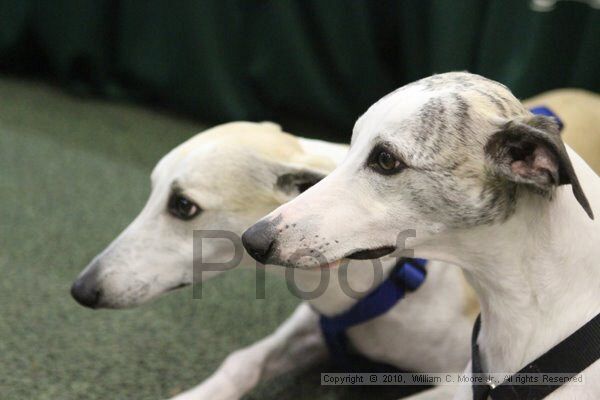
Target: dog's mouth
370	254
365	254
178	286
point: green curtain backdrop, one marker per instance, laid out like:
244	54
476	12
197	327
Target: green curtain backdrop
325	60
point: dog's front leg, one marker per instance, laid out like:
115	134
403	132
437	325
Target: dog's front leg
296	343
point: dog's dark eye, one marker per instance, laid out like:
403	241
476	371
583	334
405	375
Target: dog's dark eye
385	162
183	208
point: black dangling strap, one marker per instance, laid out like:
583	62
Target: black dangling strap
569	358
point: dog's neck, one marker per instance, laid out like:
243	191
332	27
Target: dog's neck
537	276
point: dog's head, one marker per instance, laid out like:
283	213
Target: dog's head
446	153
221	180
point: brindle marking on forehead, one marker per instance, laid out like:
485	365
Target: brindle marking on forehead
448	119
497	100
442	124
496	93
460	80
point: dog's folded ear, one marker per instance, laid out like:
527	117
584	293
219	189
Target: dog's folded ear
531	152
293	180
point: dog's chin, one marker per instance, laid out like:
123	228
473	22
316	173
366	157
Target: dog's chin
117	305
125	302
317	267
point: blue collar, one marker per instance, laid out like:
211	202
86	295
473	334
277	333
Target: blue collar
407	275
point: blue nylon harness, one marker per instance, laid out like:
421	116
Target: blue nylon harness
407	275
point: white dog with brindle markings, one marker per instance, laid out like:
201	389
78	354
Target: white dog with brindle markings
226	179
487	186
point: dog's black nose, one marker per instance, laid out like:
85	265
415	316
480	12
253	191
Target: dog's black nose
86	292
258	241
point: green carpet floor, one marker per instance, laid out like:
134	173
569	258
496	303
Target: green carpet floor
73	173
